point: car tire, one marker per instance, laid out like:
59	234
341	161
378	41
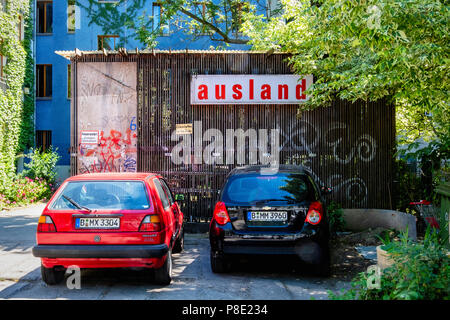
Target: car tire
219	263
163	275
51	276
179	243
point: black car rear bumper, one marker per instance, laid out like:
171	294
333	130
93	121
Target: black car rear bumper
100	251
306	249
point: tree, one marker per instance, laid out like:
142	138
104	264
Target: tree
147	19
368	50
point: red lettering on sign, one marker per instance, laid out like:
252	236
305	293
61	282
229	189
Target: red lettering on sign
283	88
265	92
237	91
220	91
203	92
299	89
251	89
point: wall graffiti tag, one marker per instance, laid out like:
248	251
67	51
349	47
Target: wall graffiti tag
107	105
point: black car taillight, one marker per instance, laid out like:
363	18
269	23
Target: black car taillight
315	213
220	213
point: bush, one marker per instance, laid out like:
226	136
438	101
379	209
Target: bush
421	271
34	184
408	187
24	191
42	165
335	215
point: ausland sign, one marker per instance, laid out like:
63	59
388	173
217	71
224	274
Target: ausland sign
249	89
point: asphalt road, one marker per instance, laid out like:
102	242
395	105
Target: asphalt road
20	276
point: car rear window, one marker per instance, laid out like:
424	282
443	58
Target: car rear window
254	188
128	195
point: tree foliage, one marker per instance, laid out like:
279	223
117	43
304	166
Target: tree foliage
368	49
219	20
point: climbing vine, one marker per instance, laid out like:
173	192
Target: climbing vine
16	108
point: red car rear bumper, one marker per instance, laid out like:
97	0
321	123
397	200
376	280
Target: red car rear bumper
101	256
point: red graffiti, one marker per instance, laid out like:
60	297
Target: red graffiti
111	148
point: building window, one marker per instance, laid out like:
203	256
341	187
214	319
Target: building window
2	66
200	10
237	8
3	4
107	42
43	139
71	16
69	81
44	17
44	80
158	27
20	28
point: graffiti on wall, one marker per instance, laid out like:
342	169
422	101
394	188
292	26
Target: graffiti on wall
304	138
107	105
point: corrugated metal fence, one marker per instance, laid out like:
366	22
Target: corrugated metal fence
348	146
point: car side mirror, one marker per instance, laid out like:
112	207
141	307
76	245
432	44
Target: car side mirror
179	197
325	190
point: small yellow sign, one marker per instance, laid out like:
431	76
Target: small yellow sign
183	128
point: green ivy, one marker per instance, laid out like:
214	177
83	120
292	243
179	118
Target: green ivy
16	109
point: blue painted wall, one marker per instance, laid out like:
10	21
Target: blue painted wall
54	114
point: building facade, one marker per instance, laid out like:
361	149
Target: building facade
69	24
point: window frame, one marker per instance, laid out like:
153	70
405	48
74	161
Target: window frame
161	32
45	96
166	189
71	3
103	36
3	61
45	135
156	181
45	32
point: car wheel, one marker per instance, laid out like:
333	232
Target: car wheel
179	243
219	263
51	276
163	275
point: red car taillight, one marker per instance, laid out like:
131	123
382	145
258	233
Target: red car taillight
45	224
221	213
151	223
315	213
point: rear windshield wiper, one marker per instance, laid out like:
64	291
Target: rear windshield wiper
76	204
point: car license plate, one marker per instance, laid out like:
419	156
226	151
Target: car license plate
97	223
267	216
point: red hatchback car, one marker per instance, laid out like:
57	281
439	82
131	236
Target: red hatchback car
110	220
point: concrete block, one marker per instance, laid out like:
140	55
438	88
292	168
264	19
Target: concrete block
363	219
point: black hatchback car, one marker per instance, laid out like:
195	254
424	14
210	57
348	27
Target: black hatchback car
280	213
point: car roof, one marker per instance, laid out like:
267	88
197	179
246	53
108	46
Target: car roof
281	168
112	176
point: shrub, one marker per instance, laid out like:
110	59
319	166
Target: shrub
34	184
42	165
24	191
335	215
420	271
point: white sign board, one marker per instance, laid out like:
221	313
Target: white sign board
89	137
249	89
